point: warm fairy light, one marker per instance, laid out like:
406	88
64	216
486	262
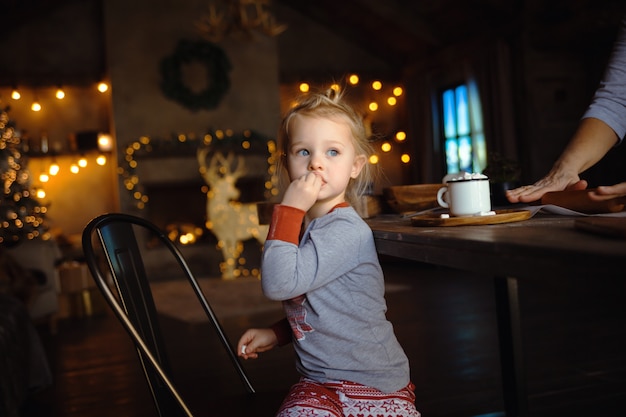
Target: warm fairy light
405	158
335	87
101	160
103	87
54	169
15	95
392	101
82	162
353	79
43	177
373	106
304	87
41	194
373	159
74	169
105	142
60	94
400	136
385	147
377	85
35	106
397	91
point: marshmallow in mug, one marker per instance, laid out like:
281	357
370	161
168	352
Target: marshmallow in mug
466	194
465	176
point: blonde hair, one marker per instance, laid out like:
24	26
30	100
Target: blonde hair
331	104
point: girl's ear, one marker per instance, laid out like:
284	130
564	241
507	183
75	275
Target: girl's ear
357	166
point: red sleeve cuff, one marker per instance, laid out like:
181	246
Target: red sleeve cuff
282	329
286	224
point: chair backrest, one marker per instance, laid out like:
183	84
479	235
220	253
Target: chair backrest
134	305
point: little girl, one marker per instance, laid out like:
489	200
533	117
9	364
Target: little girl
320	260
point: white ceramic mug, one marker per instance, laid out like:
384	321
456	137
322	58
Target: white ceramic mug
465	197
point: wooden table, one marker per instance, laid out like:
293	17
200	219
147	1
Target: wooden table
543	247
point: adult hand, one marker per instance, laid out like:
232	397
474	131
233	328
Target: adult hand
554	181
605	192
302	192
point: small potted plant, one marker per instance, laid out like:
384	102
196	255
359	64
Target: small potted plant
504	174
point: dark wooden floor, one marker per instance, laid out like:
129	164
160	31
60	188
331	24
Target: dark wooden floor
574	341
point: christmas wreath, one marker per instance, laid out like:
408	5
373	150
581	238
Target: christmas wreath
217	66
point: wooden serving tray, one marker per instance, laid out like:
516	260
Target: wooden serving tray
501	216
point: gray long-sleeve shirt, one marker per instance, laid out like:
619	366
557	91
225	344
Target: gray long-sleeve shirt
609	100
332	287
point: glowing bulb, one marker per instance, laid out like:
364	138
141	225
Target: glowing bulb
392	101
353	79
335	87
397	91
15	95
373	106
385	147
304	87
82	162
60	94
103	87
105	142
41	194
43	177
405	158
74	169
101	160
35	106
54	169
373	159
377	85
400	136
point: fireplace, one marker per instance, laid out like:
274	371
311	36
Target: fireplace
177	203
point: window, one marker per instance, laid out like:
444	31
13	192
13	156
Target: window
463	137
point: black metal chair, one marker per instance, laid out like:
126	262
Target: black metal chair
113	237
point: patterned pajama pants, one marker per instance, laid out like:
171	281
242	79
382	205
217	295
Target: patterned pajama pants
346	399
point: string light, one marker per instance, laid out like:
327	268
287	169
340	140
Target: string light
103	87
379	94
105	142
15	95
35	106
60	94
53	169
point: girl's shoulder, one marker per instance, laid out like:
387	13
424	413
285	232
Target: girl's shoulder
346	216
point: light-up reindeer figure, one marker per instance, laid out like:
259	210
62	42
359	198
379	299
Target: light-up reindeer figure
231	221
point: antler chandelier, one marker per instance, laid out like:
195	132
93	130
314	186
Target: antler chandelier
238	17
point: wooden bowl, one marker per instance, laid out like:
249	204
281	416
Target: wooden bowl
408	198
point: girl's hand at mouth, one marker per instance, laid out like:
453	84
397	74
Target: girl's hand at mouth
302	192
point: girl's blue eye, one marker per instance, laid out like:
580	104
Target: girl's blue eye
333	152
302	152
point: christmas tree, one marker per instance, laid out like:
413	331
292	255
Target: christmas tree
21	215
